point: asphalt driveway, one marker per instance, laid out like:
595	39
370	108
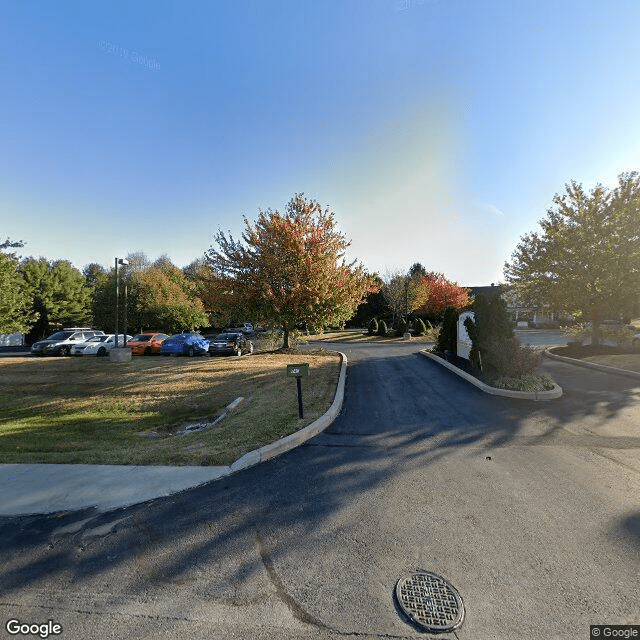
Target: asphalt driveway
531	510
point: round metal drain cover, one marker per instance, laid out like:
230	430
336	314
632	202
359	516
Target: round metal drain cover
430	601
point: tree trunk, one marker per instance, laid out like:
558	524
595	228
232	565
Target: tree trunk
595	331
286	337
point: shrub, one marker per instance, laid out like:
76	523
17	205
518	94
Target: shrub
373	327
622	336
382	328
495	349
401	328
506	357
419	327
448	336
577	332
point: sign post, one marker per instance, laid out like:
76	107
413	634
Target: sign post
298	371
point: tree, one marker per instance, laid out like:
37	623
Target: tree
404	293
495	349
374	305
8	243
442	294
158	297
58	293
94	274
15	303
288	270
586	260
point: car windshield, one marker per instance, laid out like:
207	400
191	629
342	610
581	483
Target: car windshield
97	339
143	337
60	335
226	336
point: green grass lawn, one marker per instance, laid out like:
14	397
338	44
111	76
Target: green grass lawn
94	411
628	361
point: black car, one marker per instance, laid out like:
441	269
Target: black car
235	343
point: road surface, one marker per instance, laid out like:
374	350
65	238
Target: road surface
531	510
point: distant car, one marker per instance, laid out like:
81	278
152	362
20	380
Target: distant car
185	344
146	344
235	343
61	342
246	328
98	345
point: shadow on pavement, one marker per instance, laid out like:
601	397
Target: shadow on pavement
400	413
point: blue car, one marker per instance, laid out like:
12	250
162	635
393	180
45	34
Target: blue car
185	344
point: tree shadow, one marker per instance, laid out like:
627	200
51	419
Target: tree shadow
400	414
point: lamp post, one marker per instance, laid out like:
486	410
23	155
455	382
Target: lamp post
124	263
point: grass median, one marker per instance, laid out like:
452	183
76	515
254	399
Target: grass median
94	411
628	361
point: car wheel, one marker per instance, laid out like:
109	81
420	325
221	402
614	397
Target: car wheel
147	352
65	351
191	352
102	352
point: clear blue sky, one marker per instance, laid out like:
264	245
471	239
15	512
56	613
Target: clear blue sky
437	130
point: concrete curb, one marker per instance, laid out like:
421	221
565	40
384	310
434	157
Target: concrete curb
592	365
299	437
46	488
556	392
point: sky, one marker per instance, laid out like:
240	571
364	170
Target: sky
437	131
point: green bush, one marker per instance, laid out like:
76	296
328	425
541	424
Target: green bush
382	328
373	327
401	328
448	336
495	349
419	327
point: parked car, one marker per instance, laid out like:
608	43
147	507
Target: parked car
246	328
61	342
98	345
235	343
146	344
185	344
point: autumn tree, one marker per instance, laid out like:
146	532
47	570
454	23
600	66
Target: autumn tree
442	294
159	296
288	269
404	292
586	259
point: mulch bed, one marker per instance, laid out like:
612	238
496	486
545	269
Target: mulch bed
584	351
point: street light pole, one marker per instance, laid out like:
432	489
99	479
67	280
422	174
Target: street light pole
123	262
117	298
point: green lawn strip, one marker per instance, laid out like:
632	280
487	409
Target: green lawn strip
628	361
90	410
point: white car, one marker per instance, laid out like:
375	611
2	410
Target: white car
98	345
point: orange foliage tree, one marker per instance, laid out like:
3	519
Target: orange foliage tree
442	294
287	270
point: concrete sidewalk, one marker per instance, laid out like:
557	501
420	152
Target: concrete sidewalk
47	488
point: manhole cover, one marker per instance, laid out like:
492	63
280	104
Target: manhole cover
430	601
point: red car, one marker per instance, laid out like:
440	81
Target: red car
146	344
